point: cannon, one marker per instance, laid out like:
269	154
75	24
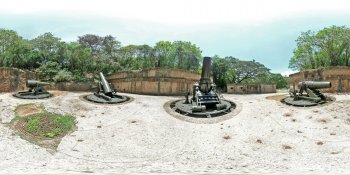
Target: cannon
105	93
104	89
36	90
204	92
308	94
204	101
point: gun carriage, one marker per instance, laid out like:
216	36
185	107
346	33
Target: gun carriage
309	94
36	90
105	93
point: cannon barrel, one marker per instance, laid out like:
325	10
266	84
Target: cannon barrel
204	82
315	84
34	83
106	88
206	67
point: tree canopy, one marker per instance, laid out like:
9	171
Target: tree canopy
233	70
48	54
327	47
57	60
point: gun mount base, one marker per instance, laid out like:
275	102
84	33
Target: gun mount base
181	111
305	102
32	95
203	111
101	99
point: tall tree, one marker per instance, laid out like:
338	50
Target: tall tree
328	47
48	47
186	55
162	52
14	51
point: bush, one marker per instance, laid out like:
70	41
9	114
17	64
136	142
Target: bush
48	70
62	76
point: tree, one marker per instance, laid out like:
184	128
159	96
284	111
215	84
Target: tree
221	72
233	70
48	47
328	47
185	55
48	70
99	45
14	51
245	70
162	52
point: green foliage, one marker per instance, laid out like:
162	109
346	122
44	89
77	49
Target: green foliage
280	81
48	70
63	75
49	124
232	70
328	47
54	59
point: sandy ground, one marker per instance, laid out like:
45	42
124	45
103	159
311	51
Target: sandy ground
141	137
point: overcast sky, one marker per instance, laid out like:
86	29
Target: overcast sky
264	30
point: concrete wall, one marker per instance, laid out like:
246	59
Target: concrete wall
338	76
155	81
71	86
251	88
13	79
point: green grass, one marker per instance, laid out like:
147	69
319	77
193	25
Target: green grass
49	125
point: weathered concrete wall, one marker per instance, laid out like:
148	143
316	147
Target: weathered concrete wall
338	76
154	81
251	88
13	79
71	86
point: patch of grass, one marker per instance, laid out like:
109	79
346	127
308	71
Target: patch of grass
36	125
48	124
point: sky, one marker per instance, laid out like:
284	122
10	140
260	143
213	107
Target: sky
263	30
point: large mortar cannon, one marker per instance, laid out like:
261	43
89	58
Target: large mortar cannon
36	90
104	89
204	93
105	93
205	101
313	95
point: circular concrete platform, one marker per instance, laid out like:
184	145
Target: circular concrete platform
117	99
179	110
305	103
32	96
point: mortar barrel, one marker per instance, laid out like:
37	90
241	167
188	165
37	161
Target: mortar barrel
105	84
206	67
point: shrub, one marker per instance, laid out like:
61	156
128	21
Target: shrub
63	75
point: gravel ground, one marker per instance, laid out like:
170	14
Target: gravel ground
266	136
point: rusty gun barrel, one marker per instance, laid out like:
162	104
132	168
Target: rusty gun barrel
315	84
105	85
35	83
204	82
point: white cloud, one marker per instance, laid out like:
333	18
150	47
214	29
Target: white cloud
288	72
179	11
